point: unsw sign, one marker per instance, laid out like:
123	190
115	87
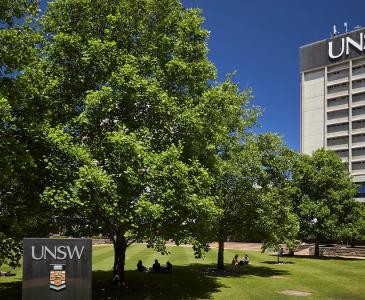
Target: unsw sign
346	44
58	252
334	50
57	269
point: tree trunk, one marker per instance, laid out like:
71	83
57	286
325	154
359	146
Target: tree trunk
220	264
353	242
120	247
316	248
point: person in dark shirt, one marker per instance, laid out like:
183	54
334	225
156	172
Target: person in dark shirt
140	267
156	267
168	267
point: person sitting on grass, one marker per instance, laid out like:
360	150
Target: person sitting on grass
156	267
245	260
168	268
235	262
141	267
281	252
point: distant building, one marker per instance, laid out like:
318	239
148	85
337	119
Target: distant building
333	100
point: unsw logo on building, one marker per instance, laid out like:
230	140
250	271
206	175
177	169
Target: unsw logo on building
57	277
346	44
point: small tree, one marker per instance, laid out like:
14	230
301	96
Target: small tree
252	192
323	190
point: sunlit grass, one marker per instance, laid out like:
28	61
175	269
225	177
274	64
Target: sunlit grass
324	278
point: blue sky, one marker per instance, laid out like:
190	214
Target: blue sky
260	40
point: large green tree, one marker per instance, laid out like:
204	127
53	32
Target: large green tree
124	121
323	197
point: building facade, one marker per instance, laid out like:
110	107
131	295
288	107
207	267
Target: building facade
333	100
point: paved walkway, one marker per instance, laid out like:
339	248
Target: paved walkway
257	247
239	246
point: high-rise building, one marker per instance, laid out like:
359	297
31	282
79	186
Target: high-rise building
333	100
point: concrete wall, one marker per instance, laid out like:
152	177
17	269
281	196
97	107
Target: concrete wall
338	251
313	111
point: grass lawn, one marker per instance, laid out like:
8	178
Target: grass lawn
324	278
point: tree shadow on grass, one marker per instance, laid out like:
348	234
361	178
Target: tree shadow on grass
185	282
11	290
182	283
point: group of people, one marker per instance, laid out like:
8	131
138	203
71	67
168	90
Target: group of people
282	253
244	261
156	267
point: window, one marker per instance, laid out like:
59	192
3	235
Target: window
337	141
359	138
342	153
356	111
337	101
358	70
361	190
358	97
337	114
358	83
339	74
358	151
337	127
358	124
358	165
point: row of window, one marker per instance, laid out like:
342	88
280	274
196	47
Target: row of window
331	102
344	140
341	87
342	113
338	101
338	127
356	166
343	73
356	152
